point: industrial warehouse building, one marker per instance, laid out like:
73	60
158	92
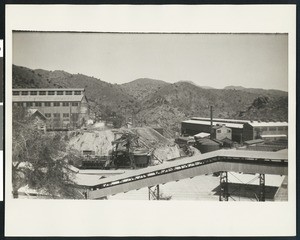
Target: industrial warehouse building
63	108
242	130
265	130
193	127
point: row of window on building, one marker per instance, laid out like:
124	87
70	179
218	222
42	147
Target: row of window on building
262	129
64	115
34	93
46	104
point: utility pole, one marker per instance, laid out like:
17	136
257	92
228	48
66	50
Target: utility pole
132	119
211	122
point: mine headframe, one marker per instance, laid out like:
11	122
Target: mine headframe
122	153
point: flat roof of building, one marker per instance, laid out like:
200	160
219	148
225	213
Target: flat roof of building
254	141
252	123
202	135
268	124
48	89
221	120
48	98
229	125
275	135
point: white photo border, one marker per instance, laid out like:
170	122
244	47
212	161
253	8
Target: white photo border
31	217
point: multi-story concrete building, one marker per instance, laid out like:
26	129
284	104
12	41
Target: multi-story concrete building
64	108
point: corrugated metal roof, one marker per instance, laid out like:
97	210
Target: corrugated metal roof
48	89
268	124
221	120
230	125
48	98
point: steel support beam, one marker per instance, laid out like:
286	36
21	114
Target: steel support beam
153	192
262	192
85	194
273	163
224	186
132	161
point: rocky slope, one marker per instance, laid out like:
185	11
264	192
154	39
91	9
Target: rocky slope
143	87
155	102
100	94
179	101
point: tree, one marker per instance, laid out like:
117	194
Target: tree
40	160
118	121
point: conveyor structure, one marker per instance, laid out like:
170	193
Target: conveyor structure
260	162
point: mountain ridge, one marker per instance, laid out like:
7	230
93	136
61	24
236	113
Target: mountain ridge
156	102
143	87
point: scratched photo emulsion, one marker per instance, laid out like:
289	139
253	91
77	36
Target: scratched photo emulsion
150	116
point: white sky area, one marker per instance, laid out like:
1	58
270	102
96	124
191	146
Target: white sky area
215	60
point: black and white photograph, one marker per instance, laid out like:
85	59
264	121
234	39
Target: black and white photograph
1	117
123	122
150	116
1	70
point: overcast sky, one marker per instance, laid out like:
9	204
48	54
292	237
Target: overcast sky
216	60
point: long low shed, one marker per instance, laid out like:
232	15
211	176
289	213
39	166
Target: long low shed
193	127
242	130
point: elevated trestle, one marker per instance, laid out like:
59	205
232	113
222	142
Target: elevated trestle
219	161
